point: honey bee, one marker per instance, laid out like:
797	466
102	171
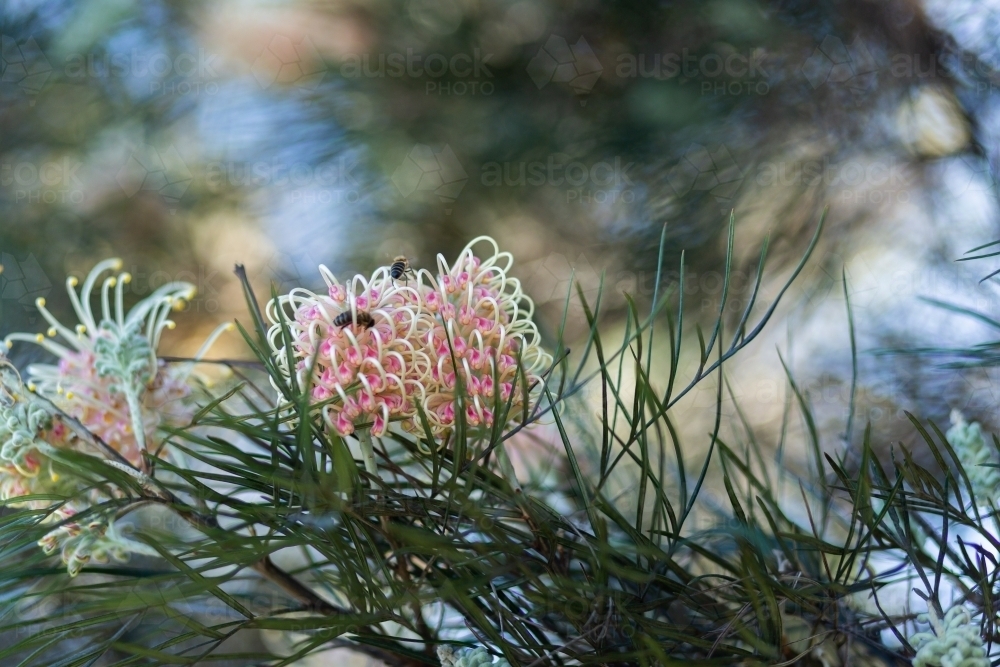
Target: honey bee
364	319
400	268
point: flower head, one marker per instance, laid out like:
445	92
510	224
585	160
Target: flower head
955	640
106	362
32	434
107	375
79	543
484	335
468	326
976	456
29	432
108	378
363	371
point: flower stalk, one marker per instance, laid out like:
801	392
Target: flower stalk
368	451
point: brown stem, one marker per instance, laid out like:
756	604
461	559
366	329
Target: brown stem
265	567
295	588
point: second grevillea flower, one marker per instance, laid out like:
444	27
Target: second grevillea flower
107	374
109	380
483	332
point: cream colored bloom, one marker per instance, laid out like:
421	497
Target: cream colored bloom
483	324
978	458
108	375
954	641
469	321
108	378
362	376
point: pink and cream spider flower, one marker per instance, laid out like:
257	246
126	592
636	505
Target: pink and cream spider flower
108	379
31	434
361	341
483	333
108	375
28	434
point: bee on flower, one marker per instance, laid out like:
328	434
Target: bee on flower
362	344
376	351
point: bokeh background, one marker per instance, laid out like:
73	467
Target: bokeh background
185	137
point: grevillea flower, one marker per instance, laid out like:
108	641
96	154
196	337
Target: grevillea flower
109	379
470	321
27	431
32	434
364	372
108	376
954	641
80	543
468	657
484	333
977	458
